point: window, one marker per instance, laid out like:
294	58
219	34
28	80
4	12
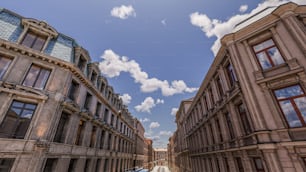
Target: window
102	139
4	64
106	165
112	120
109	143
87	165
105	115
80	133
304	160
229	125
36	77
268	54
219	130
73	91
292	101
50	165
93	136
219	85
227	167
244	119
98	110
231	74
34	41
62	127
6	164
239	164
258	165
82	63
98	164
87	101
72	165
94	77
17	120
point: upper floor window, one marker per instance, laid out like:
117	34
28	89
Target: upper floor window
244	119
6	164
82	63
34	41
219	85
94	77
17	120
62	128
73	91
229	125
258	165
231	74
4	64
98	110
50	164
292	101
268	54
88	101
239	164
37	77
80	133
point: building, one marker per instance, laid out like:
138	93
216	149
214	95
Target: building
57	112
139	146
249	112
182	159
148	164
171	153
160	156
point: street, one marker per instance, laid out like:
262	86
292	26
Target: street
160	169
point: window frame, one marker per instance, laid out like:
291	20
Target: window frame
291	99
34	41
265	51
41	68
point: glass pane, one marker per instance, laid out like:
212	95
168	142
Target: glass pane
263	60
263	45
30	106
258	164
28	40
17	104
31	77
287	92
290	114
27	114
301	104
42	79
4	63
39	43
275	56
16	110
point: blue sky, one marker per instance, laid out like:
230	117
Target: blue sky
154	53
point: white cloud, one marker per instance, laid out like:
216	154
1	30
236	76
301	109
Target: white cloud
218	28
144	120
123	12
154	125
165	133
154	138
148	104
164	22
243	8
112	65
173	111
126	99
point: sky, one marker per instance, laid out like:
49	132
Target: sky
155	53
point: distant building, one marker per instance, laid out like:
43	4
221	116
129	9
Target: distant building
250	111
148	164
139	144
171	153
57	112
160	156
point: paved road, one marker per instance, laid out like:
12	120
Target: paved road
160	169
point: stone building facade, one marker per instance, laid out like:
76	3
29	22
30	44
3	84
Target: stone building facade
160	156
57	112
250	111
139	144
148	164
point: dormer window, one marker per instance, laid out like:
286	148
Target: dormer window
82	63
34	41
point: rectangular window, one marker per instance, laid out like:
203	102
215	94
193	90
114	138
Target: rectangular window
50	165
227	167
292	101
98	164
82	63
244	119
87	165
80	133
73	91
72	165
106	115
268	54
102	139
93	136
239	164
212	134
6	164
4	64
258	165
94	77
112	120
231	74
17	120
219	85
88	101
34	41
219	130
62	128
109	143
98	110
230	125
36	77
106	165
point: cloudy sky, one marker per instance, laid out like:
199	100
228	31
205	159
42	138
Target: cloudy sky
154	53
